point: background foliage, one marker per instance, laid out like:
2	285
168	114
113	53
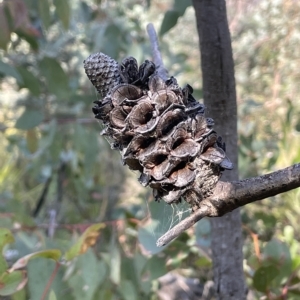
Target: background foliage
58	176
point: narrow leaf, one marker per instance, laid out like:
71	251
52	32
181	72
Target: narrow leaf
181	6
5	31
63	11
87	240
44	12
32	140
54	254
169	21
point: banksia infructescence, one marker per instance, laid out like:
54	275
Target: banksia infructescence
159	128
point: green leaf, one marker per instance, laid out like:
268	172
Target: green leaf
32	140
148	236
169	21
8	70
29	119
56	79
128	290
203	262
156	266
39	272
5	30
115	264
89	274
29	38
181	6
54	254
278	253
19	295
87	240
44	13
12	282
63	11
202	231
52	296
6	237
29	81
264	276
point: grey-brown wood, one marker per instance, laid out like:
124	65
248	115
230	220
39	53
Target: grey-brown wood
228	196
220	100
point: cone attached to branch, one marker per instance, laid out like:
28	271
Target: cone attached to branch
159	128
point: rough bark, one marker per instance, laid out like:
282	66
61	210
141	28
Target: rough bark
220	99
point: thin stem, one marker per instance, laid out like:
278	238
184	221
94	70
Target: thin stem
157	59
182	226
228	196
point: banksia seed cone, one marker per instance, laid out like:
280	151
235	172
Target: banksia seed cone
159	128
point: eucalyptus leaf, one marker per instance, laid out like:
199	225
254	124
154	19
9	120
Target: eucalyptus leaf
169	21
181	6
8	70
63	11
264	276
5	30
56	79
29	119
29	80
12	282
44	13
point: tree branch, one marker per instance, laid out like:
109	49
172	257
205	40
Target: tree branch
157	59
228	196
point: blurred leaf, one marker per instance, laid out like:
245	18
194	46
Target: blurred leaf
264	276
44	12
169	21
288	233
32	140
39	272
156	266
23	261
181	6
115	264
87	240
8	70
52	295
298	125
5	31
56	79
29	38
277	253
148	236
12	282
6	237
63	12
19	295
203	262
89	275
128	290
29	119
29	81
202	231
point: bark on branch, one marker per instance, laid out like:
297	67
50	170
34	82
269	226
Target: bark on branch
228	196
